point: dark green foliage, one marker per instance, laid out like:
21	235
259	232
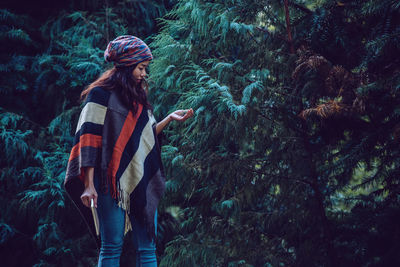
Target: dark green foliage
289	156
46	62
290	159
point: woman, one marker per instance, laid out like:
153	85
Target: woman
115	159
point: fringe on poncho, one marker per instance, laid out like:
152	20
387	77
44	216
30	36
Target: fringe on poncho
123	148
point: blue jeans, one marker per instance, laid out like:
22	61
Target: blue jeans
112	223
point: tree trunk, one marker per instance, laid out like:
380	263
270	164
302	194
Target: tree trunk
289	33
319	198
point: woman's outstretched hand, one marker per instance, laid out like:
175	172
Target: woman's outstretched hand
181	115
178	115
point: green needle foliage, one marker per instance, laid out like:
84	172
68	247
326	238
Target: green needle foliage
291	159
46	62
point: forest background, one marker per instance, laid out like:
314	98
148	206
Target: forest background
292	158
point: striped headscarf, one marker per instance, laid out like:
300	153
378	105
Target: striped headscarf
127	50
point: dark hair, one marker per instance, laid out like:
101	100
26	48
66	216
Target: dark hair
120	80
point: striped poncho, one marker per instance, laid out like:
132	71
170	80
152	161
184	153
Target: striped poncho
124	151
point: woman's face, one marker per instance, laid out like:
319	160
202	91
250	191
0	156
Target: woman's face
139	73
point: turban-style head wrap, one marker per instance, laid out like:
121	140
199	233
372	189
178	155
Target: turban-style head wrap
127	50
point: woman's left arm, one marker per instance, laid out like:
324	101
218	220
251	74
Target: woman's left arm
178	115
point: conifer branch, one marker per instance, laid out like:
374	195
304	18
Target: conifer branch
274	176
300	7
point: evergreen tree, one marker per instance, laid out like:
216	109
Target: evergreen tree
271	171
292	158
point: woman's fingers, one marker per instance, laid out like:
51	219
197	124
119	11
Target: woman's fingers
190	112
85	200
86	197
182	115
187	113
